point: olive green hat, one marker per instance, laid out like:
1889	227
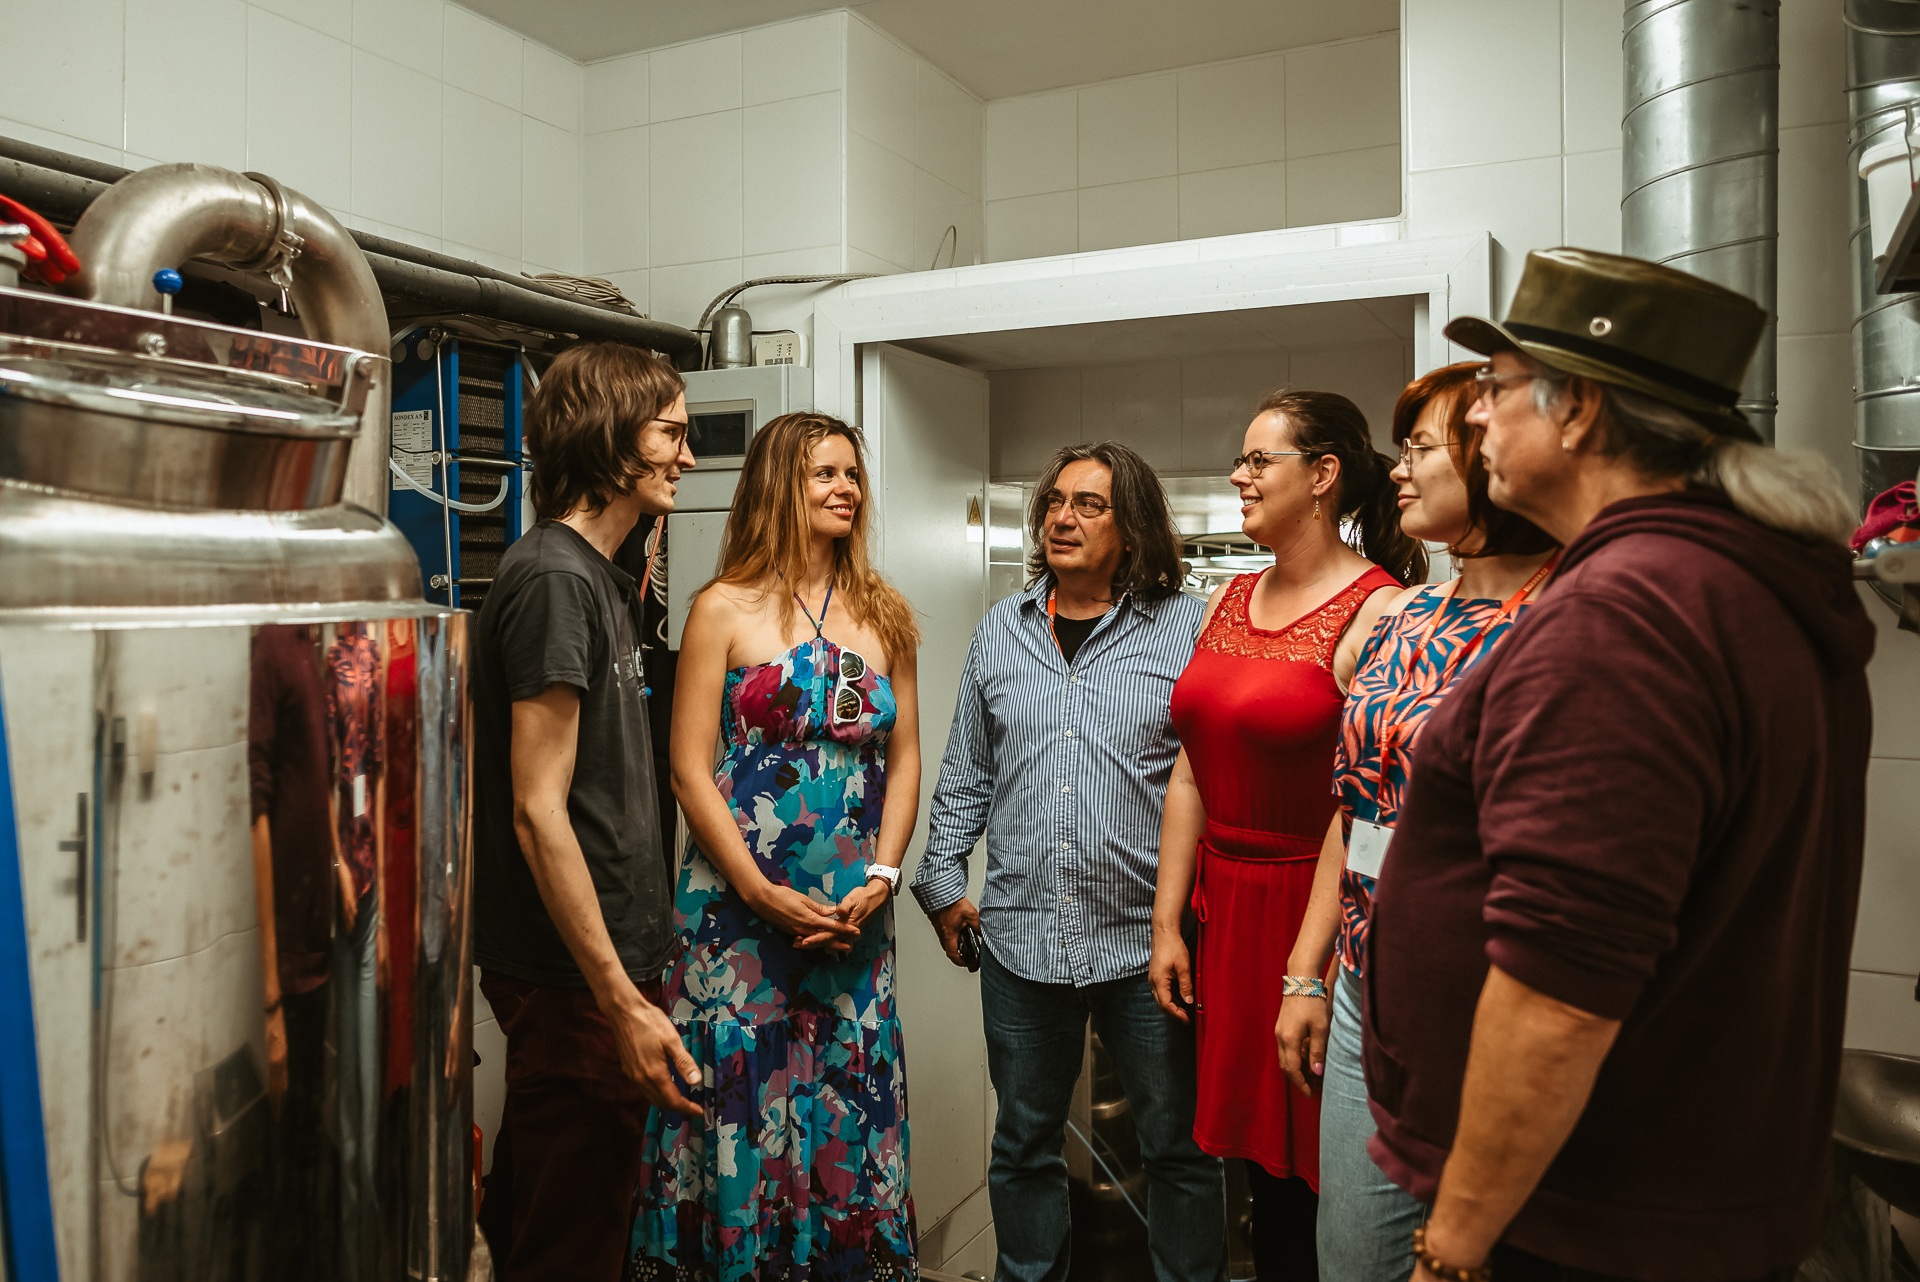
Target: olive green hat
1632	323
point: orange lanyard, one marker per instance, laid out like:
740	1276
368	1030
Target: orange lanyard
1055	635
1390	727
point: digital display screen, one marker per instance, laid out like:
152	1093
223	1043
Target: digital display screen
719	433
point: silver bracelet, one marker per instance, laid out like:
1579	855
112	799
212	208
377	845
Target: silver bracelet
1300	986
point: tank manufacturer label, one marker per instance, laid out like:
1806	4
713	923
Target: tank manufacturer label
413	446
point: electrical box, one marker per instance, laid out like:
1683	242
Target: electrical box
458	407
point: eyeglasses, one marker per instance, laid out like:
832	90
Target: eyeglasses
1256	461
1487	385
847	701
1407	449
680	423
1085	506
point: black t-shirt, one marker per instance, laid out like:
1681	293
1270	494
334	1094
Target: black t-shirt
558	612
1073	633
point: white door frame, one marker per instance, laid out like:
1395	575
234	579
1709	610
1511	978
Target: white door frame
1452	274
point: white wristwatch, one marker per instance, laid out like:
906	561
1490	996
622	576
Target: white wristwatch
887	873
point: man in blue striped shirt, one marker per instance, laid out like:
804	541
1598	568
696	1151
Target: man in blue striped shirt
1060	750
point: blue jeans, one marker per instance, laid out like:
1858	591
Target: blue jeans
1366	1220
1036	1038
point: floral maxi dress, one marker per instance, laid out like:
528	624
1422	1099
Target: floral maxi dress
798	1171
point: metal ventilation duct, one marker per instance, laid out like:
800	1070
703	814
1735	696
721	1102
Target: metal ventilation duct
1883	99
1701	160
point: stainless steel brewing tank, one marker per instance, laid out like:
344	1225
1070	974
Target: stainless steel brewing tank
237	747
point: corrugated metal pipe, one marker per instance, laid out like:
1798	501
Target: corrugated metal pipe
1883	102
1700	159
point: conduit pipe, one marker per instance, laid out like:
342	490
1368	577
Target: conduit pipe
1883	88
1700	158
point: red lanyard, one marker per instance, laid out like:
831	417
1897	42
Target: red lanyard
1055	636
1390	728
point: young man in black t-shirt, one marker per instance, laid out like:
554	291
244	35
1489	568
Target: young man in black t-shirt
572	902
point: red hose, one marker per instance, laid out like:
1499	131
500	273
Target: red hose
51	257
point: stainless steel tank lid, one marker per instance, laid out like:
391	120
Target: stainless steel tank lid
172	392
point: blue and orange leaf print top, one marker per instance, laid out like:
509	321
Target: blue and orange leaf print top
1382	694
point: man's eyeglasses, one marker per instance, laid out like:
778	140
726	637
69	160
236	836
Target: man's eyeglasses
847	702
1256	461
1488	385
1408	449
1085	506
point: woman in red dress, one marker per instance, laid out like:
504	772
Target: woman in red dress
1258	711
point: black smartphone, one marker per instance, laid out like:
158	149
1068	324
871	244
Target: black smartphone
970	947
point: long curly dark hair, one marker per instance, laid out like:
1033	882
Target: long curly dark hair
1150	568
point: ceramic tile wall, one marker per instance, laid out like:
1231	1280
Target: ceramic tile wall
414	119
1183	415
715	161
1294	138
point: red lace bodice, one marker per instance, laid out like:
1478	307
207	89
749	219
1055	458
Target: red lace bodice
1311	638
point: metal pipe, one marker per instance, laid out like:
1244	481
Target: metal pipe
1700	157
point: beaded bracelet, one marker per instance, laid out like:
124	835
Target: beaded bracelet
1301	986
1445	1272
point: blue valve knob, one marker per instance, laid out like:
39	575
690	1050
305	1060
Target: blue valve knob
167	281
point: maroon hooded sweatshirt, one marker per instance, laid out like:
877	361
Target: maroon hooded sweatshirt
1649	804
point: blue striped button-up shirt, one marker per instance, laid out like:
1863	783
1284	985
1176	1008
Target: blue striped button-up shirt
1064	768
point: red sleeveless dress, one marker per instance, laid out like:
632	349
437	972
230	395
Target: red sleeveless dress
1259	713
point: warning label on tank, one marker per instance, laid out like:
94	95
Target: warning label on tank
413	446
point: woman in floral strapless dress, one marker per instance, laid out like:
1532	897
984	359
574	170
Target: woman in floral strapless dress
783	989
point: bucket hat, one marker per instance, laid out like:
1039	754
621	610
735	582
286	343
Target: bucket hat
1632	323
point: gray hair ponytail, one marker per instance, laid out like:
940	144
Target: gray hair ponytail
1793	491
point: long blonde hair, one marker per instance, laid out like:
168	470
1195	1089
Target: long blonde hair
765	545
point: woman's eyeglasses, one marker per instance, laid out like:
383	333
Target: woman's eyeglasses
1256	461
847	702
1408	449
1085	506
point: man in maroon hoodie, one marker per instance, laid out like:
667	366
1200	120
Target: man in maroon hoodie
1611	937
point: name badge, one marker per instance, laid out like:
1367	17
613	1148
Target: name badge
1367	848
359	796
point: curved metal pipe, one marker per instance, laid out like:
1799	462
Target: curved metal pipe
1700	158
166	215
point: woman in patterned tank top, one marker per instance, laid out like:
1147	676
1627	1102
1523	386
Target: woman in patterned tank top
1430	635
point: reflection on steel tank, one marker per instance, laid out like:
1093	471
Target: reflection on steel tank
235	739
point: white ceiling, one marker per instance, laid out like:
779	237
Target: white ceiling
996	48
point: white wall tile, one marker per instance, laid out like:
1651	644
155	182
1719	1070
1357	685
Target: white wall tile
633	285
936	207
1033	226
1225	202
791	163
1235	113
1894	672
1459	112
1592	64
409	32
405	235
1146	212
614	204
616	93
72	83
480	202
859	260
396	123
187	80
792	59
1371	377
1137	405
1325	111
1814	295
1217	396
949	126
1035	412
1815	385
1343	186
695	193
682	292
300	120
694	79
551	86
1518	202
1032	145
879	201
821	260
882	89
106	153
511	264
1884	938
1813	64
550	222
1882	1014
1129	129
331	17
1593	201
481	58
